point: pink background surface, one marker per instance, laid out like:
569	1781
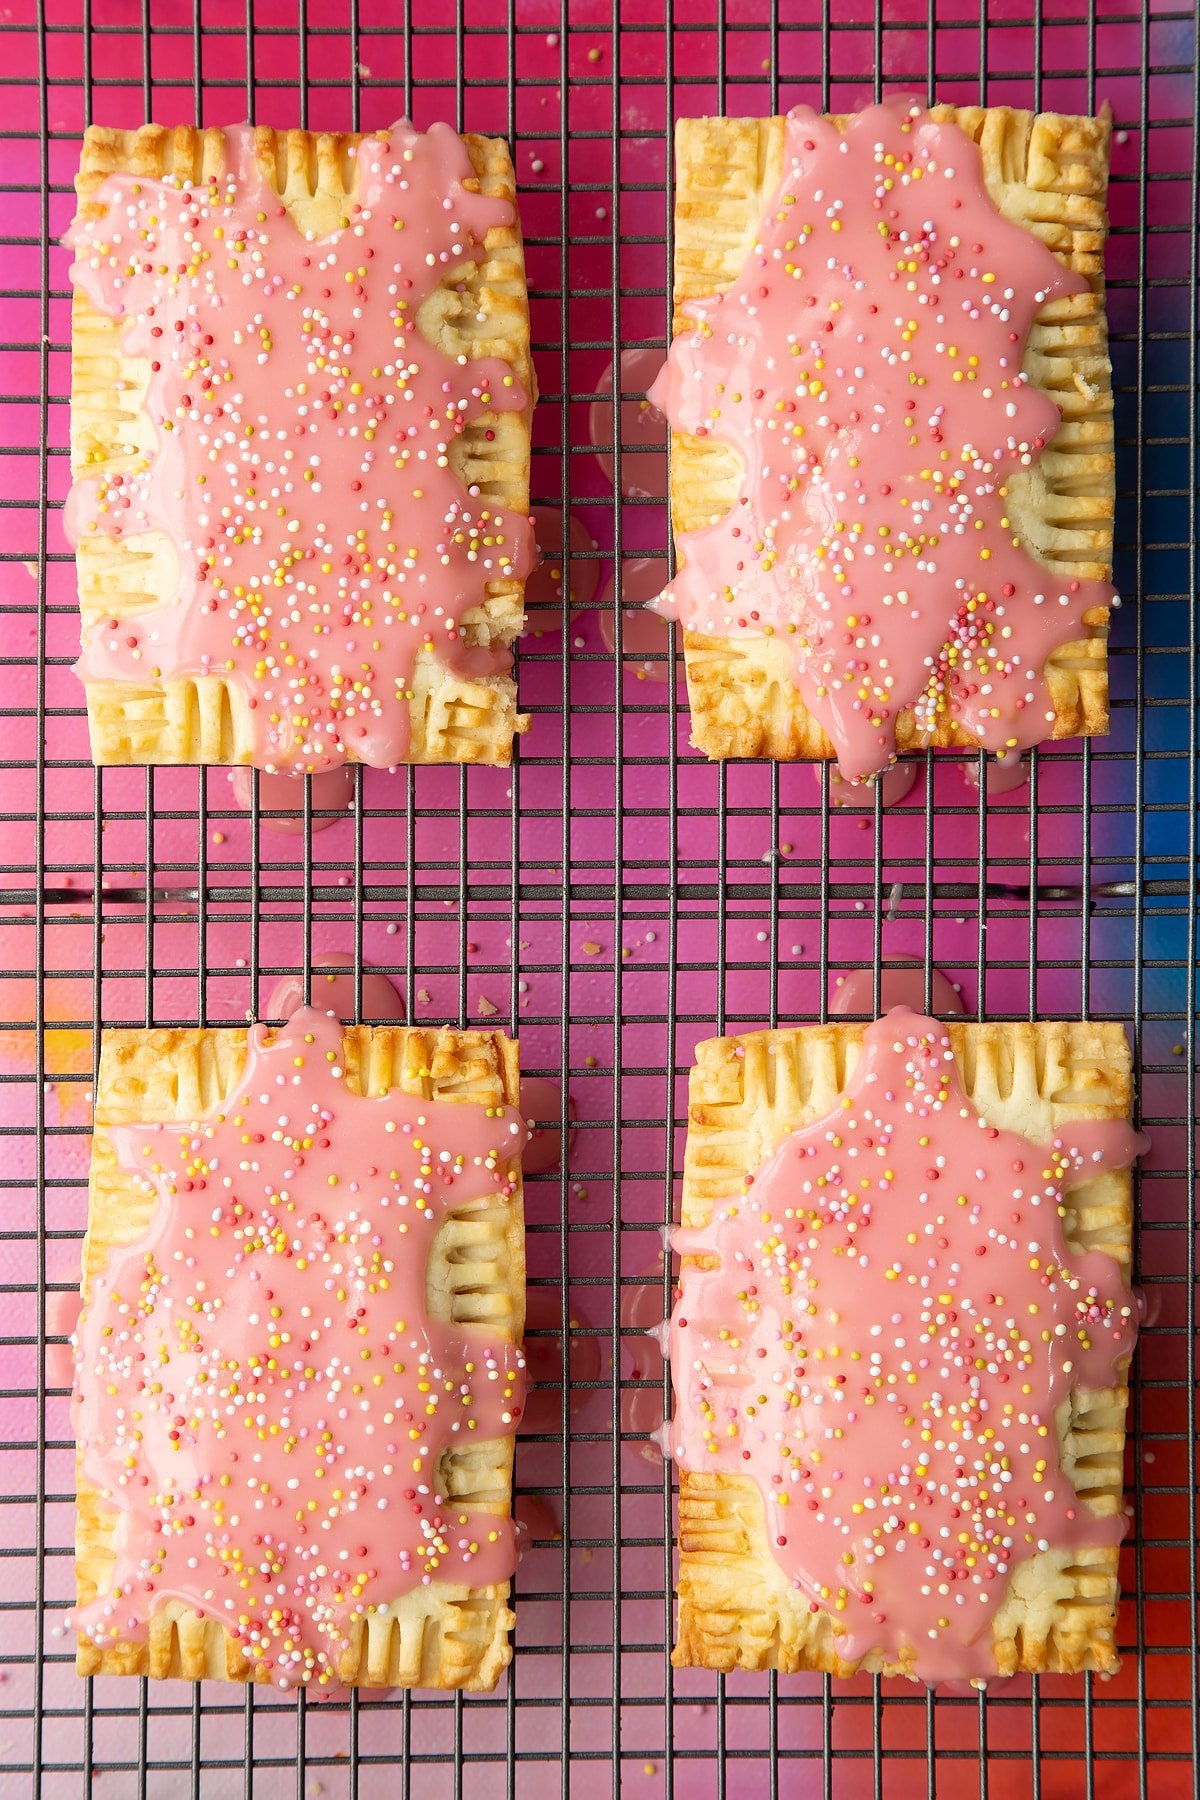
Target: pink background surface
573	858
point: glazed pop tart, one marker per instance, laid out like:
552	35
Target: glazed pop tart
900	1347
301	392
298	1369
892	475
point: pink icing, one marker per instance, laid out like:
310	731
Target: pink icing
642	426
1004	775
537	1516
281	798
333	991
643	633
548	1364
901	983
260	1392
642	1314
866	366
641	580
62	1317
301	473
544	588
895	784
891	1319
541	1109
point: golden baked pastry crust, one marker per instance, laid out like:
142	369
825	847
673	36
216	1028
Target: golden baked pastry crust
736	1609
440	1636
1046	172
481	310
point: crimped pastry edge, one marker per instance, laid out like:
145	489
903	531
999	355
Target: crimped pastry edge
735	1607
1048	172
441	1636
485	312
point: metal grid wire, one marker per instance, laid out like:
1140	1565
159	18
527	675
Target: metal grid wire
614	898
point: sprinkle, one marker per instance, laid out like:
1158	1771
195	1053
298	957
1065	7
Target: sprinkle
287	1350
883	1320
871	344
324	540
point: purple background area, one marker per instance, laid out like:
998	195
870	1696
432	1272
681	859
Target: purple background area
649	895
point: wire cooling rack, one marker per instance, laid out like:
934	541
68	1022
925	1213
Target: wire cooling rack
613	898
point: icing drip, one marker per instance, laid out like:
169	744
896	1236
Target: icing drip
866	366
643	634
901	983
302	473
336	991
894	785
541	1109
634	423
260	1390
281	798
544	591
890	1321
1003	776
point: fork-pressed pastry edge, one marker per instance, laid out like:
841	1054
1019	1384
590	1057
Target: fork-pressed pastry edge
438	1636
1047	172
747	1093
481	310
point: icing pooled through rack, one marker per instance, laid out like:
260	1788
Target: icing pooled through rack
261	1392
304	469
888	1319
866	366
